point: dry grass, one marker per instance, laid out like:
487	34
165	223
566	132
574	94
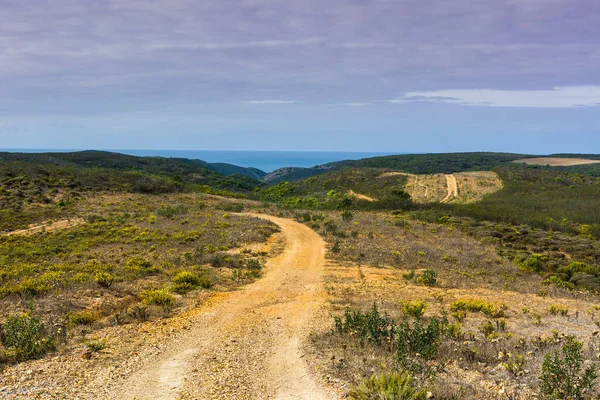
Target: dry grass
427	188
130	243
472	186
374	266
556	161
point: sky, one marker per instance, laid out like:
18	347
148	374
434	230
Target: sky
347	75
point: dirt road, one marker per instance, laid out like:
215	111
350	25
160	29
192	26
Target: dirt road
47	227
452	189
360	196
247	345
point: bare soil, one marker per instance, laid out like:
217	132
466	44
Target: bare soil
47	226
360	196
452	189
556	161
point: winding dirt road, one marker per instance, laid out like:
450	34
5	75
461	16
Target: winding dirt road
248	344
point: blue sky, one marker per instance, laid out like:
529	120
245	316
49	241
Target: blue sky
351	75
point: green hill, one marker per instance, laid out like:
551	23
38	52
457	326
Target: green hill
41	186
434	163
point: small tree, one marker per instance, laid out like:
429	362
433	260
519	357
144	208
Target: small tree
562	377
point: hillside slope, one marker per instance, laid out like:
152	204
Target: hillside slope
435	163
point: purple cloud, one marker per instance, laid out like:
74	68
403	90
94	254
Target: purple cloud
103	57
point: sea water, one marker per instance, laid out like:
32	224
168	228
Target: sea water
267	161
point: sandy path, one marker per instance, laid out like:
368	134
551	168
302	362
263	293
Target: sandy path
47	227
452	189
249	344
360	196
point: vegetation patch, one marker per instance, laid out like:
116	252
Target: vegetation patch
26	336
476	305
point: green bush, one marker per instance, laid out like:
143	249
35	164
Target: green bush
369	326
428	278
419	340
205	281
394	386
104	279
558	282
533	263
186	281
187	277
558	310
182	288
414	308
562	377
26	335
488	329
82	318
479	306
139	266
171	211
586	281
157	297
96	345
222	260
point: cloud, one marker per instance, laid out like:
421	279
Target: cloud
355	104
557	97
269	102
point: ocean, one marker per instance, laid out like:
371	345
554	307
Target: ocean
267	161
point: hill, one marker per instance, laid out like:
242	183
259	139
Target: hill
41	186
434	163
124	162
230	169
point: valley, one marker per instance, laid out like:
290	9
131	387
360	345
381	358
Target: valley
175	281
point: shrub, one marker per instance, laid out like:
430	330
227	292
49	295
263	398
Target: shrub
558	310
419	340
409	275
222	260
205	281
479	306
556	281
514	363
414	308
336	248
562	377
428	278
586	281
171	211
140	266
533	263
459	315
139	312
488	329
26	335
187	277
394	386
369	326
157	297
96	345
82	318
104	279
182	288
347	215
